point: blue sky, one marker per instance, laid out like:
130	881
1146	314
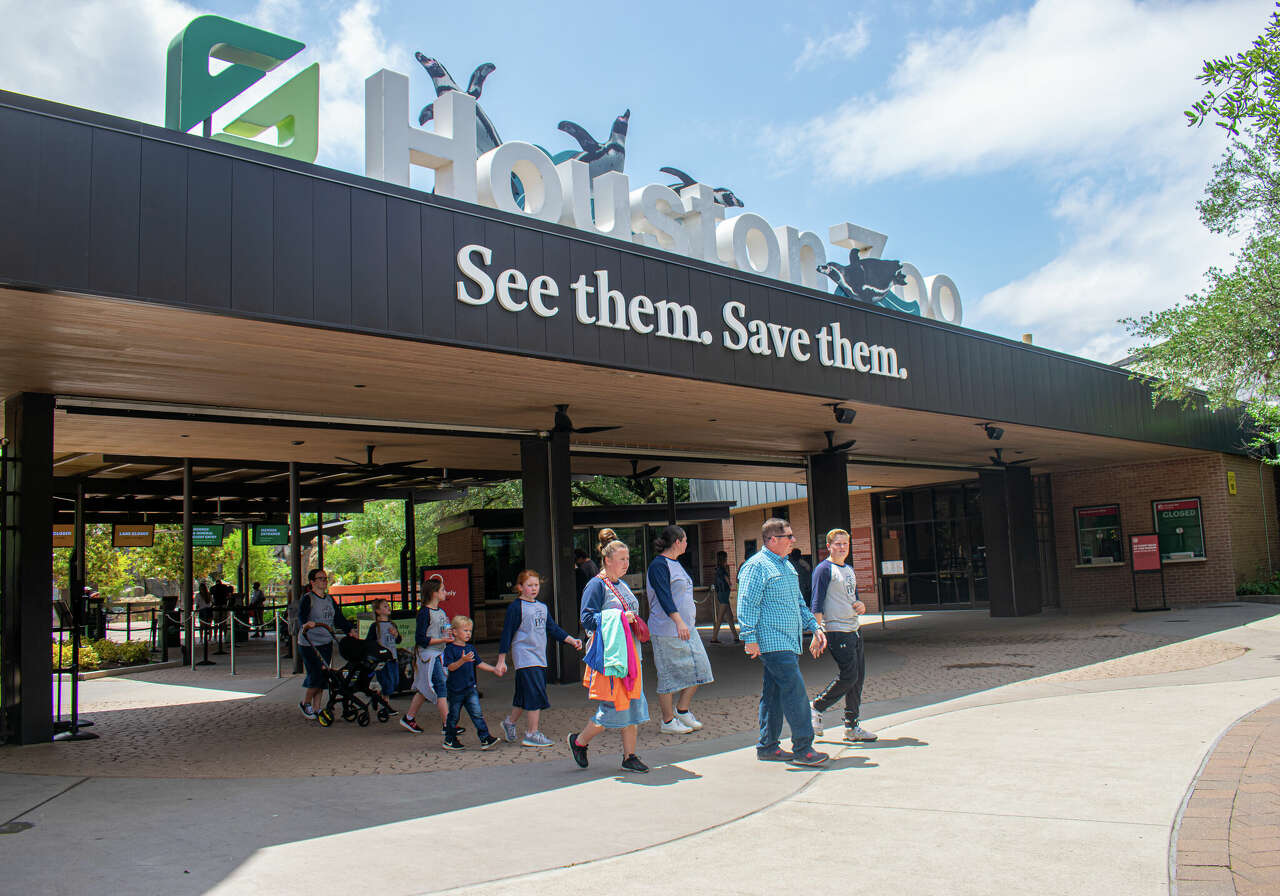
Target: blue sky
1034	152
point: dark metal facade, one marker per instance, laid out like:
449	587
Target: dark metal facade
100	205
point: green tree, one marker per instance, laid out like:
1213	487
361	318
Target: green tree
107	569
1219	346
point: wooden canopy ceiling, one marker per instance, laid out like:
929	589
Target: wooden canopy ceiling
144	381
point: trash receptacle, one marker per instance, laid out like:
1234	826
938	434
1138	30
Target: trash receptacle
170	625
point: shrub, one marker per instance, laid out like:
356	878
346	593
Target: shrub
89	659
128	653
1260	585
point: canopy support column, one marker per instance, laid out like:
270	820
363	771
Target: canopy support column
548	540
827	477
26	662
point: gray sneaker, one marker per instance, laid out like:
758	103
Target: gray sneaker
535	739
858	734
509	731
817	720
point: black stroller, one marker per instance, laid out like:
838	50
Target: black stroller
353	681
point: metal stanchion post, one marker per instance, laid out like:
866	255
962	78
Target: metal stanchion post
278	644
231	636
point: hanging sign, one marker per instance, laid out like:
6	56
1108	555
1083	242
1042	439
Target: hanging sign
206	535
133	535
270	534
64	536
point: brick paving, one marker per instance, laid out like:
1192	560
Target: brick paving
1228	841
205	723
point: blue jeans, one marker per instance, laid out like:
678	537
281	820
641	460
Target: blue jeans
784	695
389	678
471	700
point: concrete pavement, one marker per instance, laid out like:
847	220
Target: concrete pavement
1068	782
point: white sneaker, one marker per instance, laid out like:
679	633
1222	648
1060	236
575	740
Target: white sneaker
675	726
817	719
689	720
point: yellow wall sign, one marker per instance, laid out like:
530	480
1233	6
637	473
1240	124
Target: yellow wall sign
1231	482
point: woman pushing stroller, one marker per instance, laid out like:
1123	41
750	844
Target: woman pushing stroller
318	616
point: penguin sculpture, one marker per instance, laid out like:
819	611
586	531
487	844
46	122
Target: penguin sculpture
486	134
600	157
869	280
720	195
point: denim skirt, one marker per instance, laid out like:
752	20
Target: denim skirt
680	664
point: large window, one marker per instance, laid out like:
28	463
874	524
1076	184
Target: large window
1180	527
1098	540
503	560
931	550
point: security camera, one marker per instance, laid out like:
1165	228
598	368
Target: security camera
843	414
994	433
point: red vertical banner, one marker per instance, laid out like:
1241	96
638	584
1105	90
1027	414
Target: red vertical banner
457	587
862	559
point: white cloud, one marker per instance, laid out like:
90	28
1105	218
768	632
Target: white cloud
106	55
109	56
1124	257
1062	80
842	45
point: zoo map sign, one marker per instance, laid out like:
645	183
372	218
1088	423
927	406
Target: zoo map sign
584	188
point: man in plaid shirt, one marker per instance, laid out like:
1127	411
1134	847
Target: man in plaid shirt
771	616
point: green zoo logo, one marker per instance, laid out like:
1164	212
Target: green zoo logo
193	94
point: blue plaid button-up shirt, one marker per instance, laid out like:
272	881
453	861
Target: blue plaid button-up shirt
771	610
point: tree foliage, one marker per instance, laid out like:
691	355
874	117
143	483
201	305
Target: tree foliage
1220	344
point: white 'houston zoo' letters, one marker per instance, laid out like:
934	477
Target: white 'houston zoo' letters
690	223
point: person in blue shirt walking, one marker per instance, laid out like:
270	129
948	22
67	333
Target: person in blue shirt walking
524	636
772	616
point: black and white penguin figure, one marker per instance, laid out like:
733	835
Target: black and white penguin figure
486	134
869	280
720	195
601	157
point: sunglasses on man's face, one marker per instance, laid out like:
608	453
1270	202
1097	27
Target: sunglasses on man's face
787	535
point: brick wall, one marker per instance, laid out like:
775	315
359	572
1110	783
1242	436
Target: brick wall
1134	487
466	547
1252	512
859	517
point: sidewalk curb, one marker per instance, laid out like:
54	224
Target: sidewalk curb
129	670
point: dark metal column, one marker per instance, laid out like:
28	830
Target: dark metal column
295	551
671	501
188	565
26	663
1008	527
411	551
245	571
827	476
320	538
548	539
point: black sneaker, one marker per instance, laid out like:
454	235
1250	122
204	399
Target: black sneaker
444	729
579	752
452	743
487	742
633	764
809	757
777	754
307	711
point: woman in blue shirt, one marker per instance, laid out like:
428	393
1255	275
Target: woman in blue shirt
678	656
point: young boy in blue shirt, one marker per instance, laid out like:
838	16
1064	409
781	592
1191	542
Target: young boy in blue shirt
524	636
460	685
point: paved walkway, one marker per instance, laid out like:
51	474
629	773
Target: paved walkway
1228	839
1066	780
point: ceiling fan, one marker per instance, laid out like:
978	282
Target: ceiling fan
999	461
836	447
638	474
368	465
564	424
